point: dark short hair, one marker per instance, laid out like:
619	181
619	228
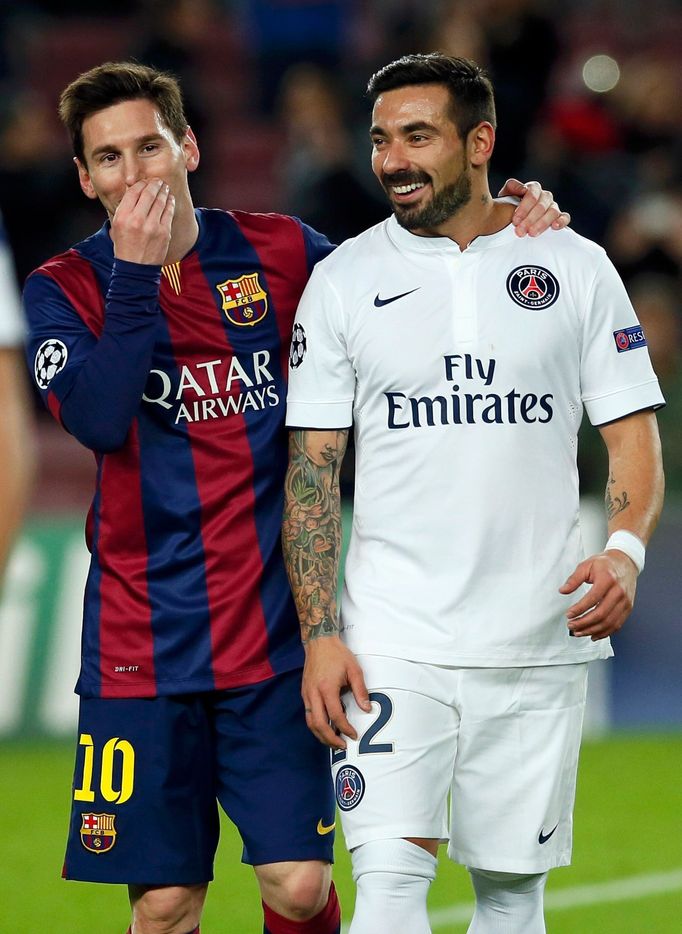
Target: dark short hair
471	92
112	83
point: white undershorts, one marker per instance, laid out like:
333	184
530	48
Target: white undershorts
501	743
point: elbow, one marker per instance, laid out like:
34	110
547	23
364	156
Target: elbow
102	439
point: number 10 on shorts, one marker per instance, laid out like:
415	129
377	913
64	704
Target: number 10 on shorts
116	774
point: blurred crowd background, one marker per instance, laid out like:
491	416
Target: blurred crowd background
589	102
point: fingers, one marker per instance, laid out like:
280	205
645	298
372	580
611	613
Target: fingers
141	224
578	577
563	220
603	619
318	722
326	718
608	603
537	210
356	681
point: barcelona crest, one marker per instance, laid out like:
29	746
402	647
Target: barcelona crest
244	300
98	833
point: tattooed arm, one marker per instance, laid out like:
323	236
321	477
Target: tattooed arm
634	497
311	539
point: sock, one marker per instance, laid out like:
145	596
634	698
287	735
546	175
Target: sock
393	879
507	903
328	921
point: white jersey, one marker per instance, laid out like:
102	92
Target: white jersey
11	322
465	374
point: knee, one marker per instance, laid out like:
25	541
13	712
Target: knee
508	881
505	888
166	909
297	891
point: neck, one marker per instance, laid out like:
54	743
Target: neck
481	216
184	234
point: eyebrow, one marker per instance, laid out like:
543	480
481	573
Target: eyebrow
407	128
141	141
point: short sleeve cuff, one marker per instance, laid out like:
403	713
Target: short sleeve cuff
622	402
320	414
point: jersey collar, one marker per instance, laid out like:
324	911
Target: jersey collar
405	240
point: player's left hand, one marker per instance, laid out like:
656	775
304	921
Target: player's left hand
537	209
605	607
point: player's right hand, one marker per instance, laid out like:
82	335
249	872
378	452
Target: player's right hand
330	669
141	225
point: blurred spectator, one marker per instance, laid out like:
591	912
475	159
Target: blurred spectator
323	179
36	191
171	32
518	44
285	32
16	422
646	237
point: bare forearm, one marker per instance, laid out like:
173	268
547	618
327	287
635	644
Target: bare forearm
311	532
16	443
634	491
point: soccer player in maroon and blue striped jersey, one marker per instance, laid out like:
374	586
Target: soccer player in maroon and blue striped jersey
160	343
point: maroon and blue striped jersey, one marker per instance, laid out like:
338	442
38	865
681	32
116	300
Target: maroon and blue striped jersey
175	377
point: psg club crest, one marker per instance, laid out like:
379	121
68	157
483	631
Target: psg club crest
350	787
98	833
244	300
532	287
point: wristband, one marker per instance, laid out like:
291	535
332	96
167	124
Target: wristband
630	544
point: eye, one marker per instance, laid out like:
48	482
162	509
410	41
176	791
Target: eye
108	157
150	147
378	141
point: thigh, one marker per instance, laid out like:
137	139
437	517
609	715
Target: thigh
143	809
272	774
393	781
514	781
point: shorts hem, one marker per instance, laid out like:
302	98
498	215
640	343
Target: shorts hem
509	864
136	879
305	856
354	840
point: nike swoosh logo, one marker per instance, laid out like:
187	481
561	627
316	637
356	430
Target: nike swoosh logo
380	302
322	829
543	838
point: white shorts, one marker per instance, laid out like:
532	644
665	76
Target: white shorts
502	743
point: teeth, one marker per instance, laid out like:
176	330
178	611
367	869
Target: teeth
405	189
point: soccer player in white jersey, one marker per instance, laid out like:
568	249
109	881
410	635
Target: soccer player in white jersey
464	357
16	442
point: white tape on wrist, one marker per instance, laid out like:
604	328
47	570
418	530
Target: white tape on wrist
630	544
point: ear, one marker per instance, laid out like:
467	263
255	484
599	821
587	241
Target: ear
191	150
84	179
481	143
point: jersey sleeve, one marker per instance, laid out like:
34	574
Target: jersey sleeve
616	374
92	383
317	246
321	375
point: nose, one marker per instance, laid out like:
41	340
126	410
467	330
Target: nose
132	171
395	158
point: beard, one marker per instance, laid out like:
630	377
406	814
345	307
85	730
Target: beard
443	205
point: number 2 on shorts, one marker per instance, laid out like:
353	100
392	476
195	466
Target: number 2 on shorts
366	745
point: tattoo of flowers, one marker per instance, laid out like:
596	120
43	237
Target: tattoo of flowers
311	537
614	503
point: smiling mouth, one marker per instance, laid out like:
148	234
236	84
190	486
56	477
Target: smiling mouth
407	192
407	189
